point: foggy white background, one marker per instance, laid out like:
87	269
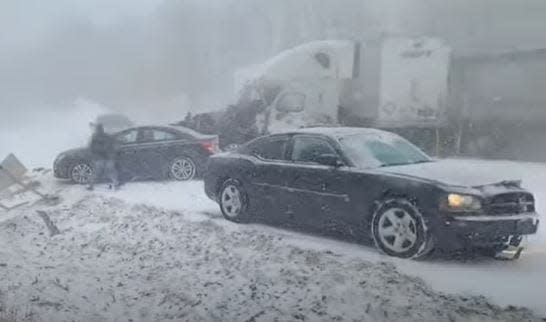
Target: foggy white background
63	62
157	59
178	55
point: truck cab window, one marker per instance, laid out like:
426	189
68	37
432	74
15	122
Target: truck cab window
323	59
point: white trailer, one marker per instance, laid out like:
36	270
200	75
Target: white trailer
413	83
415	86
402	82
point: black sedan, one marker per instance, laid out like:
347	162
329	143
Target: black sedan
147	152
370	184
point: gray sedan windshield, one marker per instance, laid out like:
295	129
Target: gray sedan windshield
381	150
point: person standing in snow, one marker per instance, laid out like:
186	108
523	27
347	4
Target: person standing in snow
103	149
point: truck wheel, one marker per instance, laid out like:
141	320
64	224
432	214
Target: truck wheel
398	229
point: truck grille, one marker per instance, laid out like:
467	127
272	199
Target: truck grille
511	203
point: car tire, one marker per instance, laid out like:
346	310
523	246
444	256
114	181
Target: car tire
182	168
399	230
233	201
81	172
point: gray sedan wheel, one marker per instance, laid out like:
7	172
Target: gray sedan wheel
182	169
81	173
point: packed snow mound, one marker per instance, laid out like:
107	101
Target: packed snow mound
118	261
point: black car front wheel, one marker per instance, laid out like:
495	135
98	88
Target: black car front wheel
234	201
182	169
81	172
398	229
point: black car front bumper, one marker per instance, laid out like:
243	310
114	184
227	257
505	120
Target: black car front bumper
60	170
459	232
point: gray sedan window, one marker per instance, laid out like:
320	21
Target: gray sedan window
163	135
128	137
154	135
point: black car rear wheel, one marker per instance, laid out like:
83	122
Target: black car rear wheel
398	229
234	201
182	169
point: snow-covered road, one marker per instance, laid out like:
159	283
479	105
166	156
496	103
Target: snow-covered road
120	256
521	282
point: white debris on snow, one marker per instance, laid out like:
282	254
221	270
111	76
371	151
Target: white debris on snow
119	260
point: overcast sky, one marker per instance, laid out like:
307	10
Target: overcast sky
24	22
174	55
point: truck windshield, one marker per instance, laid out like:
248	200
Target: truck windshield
381	150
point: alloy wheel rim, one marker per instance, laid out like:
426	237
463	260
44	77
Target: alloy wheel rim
82	173
183	169
397	230
232	203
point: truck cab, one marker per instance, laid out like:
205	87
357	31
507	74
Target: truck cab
301	86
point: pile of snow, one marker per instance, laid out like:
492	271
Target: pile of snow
117	261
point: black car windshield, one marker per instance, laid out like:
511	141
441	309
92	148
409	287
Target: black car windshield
381	150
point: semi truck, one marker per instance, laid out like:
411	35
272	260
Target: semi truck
449	103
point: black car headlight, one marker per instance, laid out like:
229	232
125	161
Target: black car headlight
460	203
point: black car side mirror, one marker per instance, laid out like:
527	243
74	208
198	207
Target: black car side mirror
330	160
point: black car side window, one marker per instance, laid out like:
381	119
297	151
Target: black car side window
308	149
274	149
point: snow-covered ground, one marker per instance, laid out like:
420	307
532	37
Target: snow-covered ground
153	251
119	257
162	251
521	282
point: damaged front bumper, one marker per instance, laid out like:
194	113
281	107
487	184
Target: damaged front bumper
502	233
511	250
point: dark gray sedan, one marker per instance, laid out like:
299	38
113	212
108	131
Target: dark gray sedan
147	152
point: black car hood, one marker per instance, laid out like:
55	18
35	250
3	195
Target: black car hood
451	172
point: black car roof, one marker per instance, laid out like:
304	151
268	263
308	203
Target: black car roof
337	132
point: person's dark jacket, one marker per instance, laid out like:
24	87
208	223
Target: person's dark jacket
103	146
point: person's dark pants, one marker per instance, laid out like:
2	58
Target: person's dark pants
104	169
